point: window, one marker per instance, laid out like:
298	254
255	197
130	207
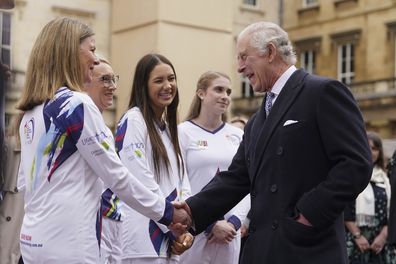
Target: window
5	37
307	59
308	3
247	90
250	2
308	51
346	63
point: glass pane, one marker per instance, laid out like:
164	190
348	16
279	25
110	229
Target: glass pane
250	2
6	30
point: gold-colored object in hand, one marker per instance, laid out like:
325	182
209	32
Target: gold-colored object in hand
182	243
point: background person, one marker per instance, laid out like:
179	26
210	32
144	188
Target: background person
65	149
101	89
147	142
392	207
208	144
299	167
366	219
11	208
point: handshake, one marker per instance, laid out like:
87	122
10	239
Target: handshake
182	221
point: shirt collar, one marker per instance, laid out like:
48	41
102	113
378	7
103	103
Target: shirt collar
278	86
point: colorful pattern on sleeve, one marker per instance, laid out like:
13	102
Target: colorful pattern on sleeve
160	239
120	133
64	121
111	205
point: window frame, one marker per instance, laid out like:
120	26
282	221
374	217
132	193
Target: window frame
310	65
5	46
348	75
310	3
250	3
246	88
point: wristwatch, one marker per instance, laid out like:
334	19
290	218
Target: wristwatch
357	235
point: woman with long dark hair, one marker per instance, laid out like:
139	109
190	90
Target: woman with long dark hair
147	142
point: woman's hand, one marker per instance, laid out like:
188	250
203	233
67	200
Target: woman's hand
222	232
362	243
378	243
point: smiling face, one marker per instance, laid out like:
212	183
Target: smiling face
88	58
255	65
161	88
101	90
216	98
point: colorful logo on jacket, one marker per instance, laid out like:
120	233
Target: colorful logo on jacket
160	239
28	131
202	144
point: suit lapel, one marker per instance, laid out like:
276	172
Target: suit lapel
282	104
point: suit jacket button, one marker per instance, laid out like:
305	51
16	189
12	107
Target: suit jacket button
274	225
248	161
279	151
273	188
8	218
253	193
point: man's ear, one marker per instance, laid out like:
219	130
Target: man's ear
271	51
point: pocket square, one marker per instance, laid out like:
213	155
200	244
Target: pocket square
290	122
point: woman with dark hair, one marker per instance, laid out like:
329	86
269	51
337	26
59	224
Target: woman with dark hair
147	142
66	149
367	219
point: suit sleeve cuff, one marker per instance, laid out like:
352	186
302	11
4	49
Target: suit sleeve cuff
234	220
168	214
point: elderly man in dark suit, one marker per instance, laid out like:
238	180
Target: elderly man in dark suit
304	156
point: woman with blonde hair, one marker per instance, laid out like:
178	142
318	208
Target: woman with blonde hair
208	145
65	149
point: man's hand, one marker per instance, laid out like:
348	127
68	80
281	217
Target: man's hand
222	232
182	205
302	220
181	221
244	231
182	243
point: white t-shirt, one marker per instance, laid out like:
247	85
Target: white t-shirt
208	152
143	237
65	149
